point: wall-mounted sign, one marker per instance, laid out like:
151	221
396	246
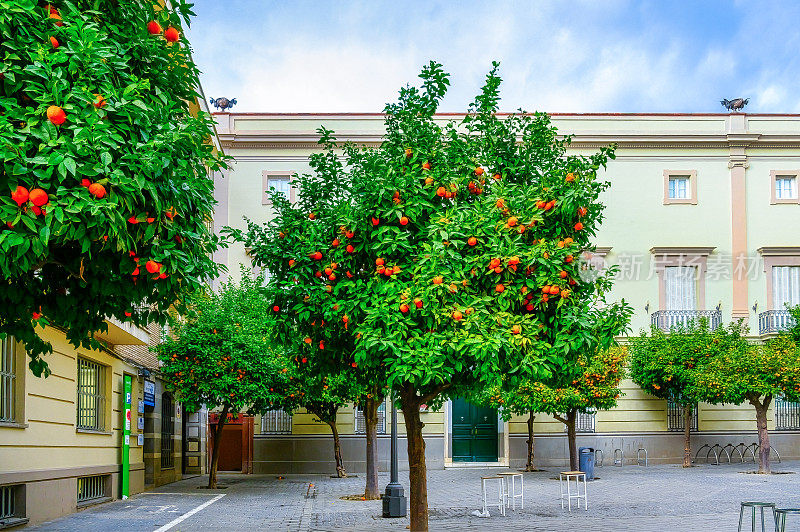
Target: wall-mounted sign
141	407
140	423
140	439
149	393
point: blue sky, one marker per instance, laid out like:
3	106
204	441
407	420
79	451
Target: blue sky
578	56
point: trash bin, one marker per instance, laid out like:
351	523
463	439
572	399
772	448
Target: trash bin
586	461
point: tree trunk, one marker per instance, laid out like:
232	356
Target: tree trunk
371	491
572	439
764	448
212	471
417	473
337	450
529	464
687	442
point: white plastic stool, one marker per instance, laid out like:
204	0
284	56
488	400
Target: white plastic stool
499	503
568	476
510	494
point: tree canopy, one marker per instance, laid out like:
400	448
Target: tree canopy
105	188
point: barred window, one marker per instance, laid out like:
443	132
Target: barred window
276	422
584	422
8	381
167	431
676	421
787	414
91	395
360	425
92	488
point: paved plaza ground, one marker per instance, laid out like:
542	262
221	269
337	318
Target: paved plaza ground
632	498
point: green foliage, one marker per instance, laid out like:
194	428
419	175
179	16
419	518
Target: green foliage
795	330
665	363
743	372
129	127
596	387
223	352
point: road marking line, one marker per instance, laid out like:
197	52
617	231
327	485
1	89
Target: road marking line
189	514
173	493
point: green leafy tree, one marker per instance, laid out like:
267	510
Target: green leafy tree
314	279
665	364
105	186
222	354
740	372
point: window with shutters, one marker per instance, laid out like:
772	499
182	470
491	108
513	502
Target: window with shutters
785	286
91	395
360	426
680	286
8	381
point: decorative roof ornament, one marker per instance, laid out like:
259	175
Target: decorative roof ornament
734	105
223	104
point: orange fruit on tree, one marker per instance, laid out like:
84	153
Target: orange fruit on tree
38	197
516	329
152	266
171	34
478	171
56	115
54	42
499	288
457	315
20	195
404	308
472	241
570	177
437	279
512	221
99	191
408	152
403	220
428	180
578	226
153	28
426	165
554	290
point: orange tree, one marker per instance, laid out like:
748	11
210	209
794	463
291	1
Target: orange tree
105	185
222	354
665	364
475	229
740	372
315	272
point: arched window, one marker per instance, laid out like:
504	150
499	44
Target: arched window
167	431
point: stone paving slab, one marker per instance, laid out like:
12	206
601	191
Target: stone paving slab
661	498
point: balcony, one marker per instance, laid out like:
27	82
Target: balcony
774	321
669	319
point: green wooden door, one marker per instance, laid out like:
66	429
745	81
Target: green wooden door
474	432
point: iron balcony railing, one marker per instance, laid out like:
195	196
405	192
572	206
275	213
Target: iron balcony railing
787	414
773	321
670	319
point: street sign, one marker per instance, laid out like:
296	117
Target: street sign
149	393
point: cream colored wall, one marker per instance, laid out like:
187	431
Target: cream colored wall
51	440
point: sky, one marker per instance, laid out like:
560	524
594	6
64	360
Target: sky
605	56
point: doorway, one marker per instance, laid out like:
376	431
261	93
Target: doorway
474	430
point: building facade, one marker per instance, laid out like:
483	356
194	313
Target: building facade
701	220
61	437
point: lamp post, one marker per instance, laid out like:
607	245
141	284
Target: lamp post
394	502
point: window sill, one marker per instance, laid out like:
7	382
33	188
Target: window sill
90	431
92	502
13	425
13	521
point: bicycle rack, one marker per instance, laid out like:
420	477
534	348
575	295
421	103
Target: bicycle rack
733	448
598	463
710	450
618	461
744	450
756	447
638	456
722	449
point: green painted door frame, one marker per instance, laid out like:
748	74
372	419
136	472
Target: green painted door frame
474	432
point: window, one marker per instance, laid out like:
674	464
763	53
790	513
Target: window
276	422
8	381
91	395
680	285
785	286
280	181
784	186
12	506
676	419
93	488
584	422
680	186
787	414
360	426
167	432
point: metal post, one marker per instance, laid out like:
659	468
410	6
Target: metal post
394	501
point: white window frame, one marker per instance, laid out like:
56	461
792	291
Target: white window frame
276	422
267	176
691	187
778	175
8	381
98	398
